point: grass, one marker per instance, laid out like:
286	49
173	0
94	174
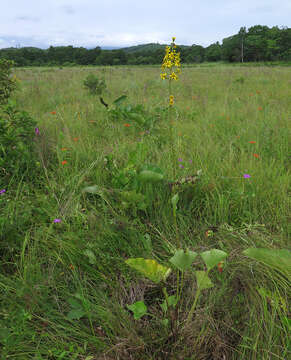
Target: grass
223	116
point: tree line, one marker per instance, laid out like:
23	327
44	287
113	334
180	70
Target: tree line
257	43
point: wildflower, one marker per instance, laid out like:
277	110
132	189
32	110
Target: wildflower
64	149
252	142
173	76
2	191
127	125
181	166
71	267
53	112
171	101
173	39
247	176
57	220
64	162
36	131
75	139
171	61
190	161
256	155
179	159
220	266
260	108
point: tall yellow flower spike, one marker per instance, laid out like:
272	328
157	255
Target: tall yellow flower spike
171	62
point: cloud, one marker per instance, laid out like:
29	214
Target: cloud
68	9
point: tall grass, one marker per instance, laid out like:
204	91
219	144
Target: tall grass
224	115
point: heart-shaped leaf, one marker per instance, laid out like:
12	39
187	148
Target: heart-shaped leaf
138	308
279	259
183	260
203	280
213	257
149	268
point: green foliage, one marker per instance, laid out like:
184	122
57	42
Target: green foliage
203	280
138	308
17	132
7	84
136	114
183	260
150	269
94	84
213	257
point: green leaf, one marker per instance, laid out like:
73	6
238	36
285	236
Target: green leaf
76	314
213	257
139	309
203	281
119	100
149	268
174	202
277	259
95	189
150	176
183	260
172	300
91	256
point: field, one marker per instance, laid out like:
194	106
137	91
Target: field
67	230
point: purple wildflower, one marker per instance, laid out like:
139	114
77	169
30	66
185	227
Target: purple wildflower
181	166
57	220
190	161
247	176
2	191
179	159
36	131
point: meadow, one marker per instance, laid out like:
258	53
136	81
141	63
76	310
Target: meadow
103	191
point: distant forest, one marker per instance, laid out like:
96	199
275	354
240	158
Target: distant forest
257	43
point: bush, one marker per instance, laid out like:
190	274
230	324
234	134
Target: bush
7	84
95	85
17	130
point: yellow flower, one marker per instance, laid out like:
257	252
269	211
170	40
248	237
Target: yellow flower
174	76
171	101
173	38
163	76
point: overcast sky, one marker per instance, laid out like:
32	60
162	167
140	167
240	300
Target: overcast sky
121	23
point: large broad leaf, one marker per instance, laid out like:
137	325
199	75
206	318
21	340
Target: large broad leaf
277	259
149	268
120	100
183	260
203	281
150	176
213	257
139	309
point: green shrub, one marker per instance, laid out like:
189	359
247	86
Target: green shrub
95	85
17	130
7	84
